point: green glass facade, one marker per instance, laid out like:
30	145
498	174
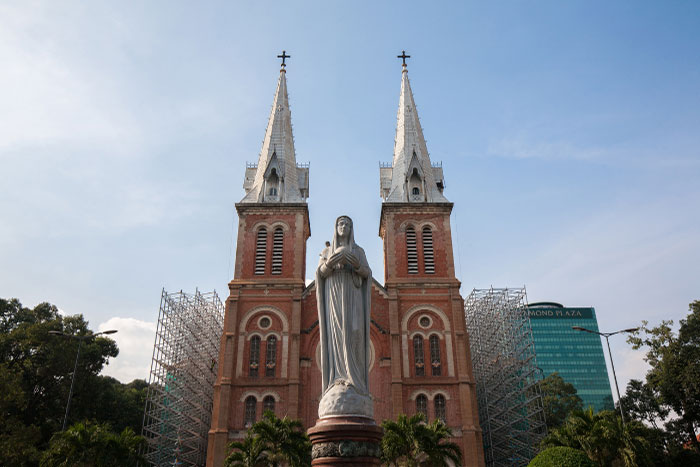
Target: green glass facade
577	356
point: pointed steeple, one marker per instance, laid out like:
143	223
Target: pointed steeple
276	177
411	177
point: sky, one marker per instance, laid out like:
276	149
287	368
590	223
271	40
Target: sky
569	134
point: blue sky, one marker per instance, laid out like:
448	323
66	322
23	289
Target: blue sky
569	134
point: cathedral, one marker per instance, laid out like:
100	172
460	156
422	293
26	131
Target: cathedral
419	346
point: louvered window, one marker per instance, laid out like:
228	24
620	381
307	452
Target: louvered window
271	356
250	404
440	411
261	251
428	253
254	359
435	362
422	405
268	404
418	357
411	251
277	244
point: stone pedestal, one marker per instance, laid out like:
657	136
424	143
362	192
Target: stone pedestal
345	441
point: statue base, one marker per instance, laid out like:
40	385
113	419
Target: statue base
345	441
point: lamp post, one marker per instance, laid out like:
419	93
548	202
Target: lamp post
607	335
80	339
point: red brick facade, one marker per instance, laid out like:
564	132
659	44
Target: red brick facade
274	318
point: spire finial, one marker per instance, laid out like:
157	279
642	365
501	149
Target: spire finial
284	57
403	57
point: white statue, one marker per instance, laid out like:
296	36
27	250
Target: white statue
343	282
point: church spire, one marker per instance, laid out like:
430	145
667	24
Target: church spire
276	177
411	176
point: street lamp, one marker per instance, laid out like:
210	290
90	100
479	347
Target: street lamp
75	368
607	335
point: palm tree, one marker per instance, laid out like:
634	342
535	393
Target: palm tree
284	440
409	442
246	453
438	448
603	438
93	444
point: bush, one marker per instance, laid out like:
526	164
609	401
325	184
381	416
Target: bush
560	456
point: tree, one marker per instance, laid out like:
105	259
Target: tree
94	445
603	438
641	402
35	377
561	456
35	371
675	367
283	440
559	399
409	442
120	405
246	453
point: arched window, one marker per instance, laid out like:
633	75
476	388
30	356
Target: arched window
428	253
277	244
268	404
415	191
250	403
271	356
272	184
254	359
440	412
422	405
261	251
435	362
411	252
418	356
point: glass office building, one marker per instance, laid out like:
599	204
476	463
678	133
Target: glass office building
577	356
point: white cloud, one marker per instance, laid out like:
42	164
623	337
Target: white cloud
135	340
629	364
48	94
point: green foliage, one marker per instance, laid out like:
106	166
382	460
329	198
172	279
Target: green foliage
642	402
247	453
674	377
272	441
410	442
561	456
559	399
603	438
35	375
94	445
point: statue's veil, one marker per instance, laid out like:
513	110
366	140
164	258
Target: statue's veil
336	239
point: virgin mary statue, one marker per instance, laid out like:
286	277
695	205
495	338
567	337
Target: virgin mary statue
343	294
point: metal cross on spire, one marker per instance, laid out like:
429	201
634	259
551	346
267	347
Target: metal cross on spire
403	57
284	56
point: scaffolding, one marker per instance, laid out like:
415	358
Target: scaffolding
506	374
179	403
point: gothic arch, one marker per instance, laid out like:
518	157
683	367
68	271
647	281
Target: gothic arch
263	336
270	226
285	337
447	334
417	393
417	333
275	395
429	394
262	308
416	308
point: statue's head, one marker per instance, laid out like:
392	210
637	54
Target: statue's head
343	226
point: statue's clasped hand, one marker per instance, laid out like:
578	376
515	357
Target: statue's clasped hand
340	259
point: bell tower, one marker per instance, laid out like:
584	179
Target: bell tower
259	357
431	369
